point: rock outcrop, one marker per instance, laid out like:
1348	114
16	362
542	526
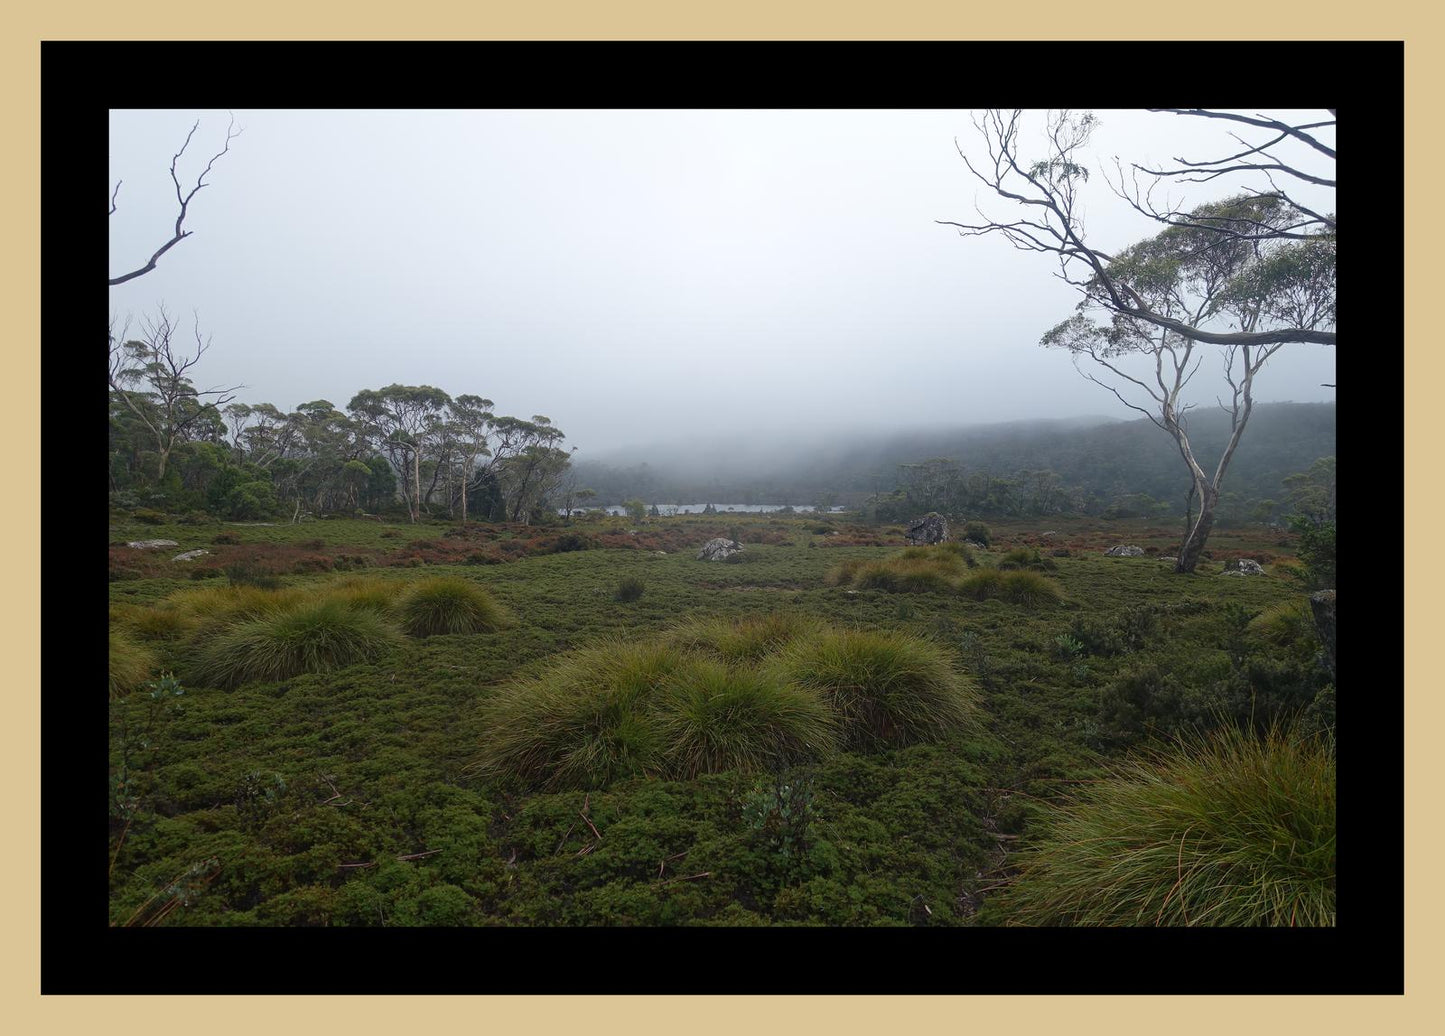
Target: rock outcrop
152	544
1124	550
1243	567
719	549
931	528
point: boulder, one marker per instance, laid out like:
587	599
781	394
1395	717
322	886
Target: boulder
931	528
1124	550
152	544
719	549
190	555
1243	567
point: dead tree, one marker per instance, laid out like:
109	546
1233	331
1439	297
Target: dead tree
183	200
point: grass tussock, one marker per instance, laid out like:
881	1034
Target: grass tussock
584	721
1228	829
935	569
366	593
131	664
313	636
659	708
448	604
1020	586
744	641
714	718
887	688
1289	627
161	623
214	605
950	568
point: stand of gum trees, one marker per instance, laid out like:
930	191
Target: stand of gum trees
411	448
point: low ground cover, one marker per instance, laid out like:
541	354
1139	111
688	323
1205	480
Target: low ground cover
356	790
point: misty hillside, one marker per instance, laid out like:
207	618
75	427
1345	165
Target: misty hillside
1103	460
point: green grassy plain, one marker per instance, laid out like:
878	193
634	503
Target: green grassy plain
356	794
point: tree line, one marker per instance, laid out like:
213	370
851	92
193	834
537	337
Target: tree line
411	449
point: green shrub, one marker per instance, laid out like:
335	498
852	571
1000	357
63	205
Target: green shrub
447	604
1143	699
224	538
887	688
572	541
629	589
131	664
976	531
713	718
146	516
313	636
251	573
1228	829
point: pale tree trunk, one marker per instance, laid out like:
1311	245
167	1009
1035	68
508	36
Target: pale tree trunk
466	481
416	482
1199	533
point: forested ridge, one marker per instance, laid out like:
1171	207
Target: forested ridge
1038	467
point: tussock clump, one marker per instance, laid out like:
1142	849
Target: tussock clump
1289	627
366	593
714	718
747	640
912	570
1027	558
131	664
162	622
1016	587
887	688
585	721
1228	829
313	636
629	589
225	604
655	709
448	604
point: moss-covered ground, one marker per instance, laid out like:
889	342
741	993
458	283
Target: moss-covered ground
352	796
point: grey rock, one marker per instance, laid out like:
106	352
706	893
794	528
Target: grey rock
1172	561
719	549
190	555
152	544
1243	567
931	528
1124	550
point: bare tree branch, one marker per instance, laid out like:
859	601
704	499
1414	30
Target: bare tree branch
183	199
1296	132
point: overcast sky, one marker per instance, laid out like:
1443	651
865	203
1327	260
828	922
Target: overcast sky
634	275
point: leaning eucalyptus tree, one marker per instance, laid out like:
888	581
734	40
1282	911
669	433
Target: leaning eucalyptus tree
1248	274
